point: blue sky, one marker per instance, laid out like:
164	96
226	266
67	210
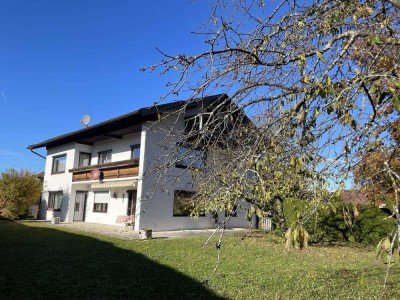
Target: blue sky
60	60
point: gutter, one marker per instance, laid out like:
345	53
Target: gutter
38	154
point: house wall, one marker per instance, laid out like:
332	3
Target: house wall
116	207
121	149
63	182
155	194
155	206
58	182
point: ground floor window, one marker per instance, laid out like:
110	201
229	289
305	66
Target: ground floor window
231	212
101	200
183	204
55	200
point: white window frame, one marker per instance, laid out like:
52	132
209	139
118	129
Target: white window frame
101	201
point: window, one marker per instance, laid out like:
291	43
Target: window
187	157
231	212
84	159
101	200
55	200
59	164
104	157
196	122
135	151
183	204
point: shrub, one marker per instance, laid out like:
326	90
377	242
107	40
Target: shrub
328	222
18	191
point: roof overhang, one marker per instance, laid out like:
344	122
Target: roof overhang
122	125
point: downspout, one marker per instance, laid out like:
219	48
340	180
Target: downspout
38	154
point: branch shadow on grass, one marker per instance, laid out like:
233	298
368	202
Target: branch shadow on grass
41	262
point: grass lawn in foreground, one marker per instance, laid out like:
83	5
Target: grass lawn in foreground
39	260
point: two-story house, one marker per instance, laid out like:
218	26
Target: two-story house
98	174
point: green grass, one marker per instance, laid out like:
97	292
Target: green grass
38	260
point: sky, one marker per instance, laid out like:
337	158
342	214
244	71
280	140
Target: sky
60	60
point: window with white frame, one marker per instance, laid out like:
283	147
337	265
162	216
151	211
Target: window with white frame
59	163
196	122
101	200
55	200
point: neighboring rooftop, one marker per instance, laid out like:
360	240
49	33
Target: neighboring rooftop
125	124
354	197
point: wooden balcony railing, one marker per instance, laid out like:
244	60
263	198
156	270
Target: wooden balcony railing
118	169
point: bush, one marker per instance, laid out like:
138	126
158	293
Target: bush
328	223
18	191
372	225
292	208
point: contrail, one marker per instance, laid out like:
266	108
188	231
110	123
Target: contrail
4	96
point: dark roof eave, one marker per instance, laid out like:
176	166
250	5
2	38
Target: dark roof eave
86	132
132	118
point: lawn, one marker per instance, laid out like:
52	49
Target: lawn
38	260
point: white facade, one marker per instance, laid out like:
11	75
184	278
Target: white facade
109	201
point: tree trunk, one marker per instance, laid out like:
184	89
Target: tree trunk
278	215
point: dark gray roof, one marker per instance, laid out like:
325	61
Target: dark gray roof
122	125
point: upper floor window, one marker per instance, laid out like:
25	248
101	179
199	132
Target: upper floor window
104	157
55	200
196	122
59	163
135	151
189	158
84	159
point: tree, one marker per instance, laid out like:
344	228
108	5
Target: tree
230	177
18	191
327	71
371	174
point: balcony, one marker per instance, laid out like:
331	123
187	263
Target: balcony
112	170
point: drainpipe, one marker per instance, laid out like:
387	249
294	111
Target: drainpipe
38	154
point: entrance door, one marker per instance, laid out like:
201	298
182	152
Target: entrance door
131	203
80	206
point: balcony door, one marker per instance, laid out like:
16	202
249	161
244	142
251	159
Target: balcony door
80	206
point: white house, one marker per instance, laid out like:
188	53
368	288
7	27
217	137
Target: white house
98	174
